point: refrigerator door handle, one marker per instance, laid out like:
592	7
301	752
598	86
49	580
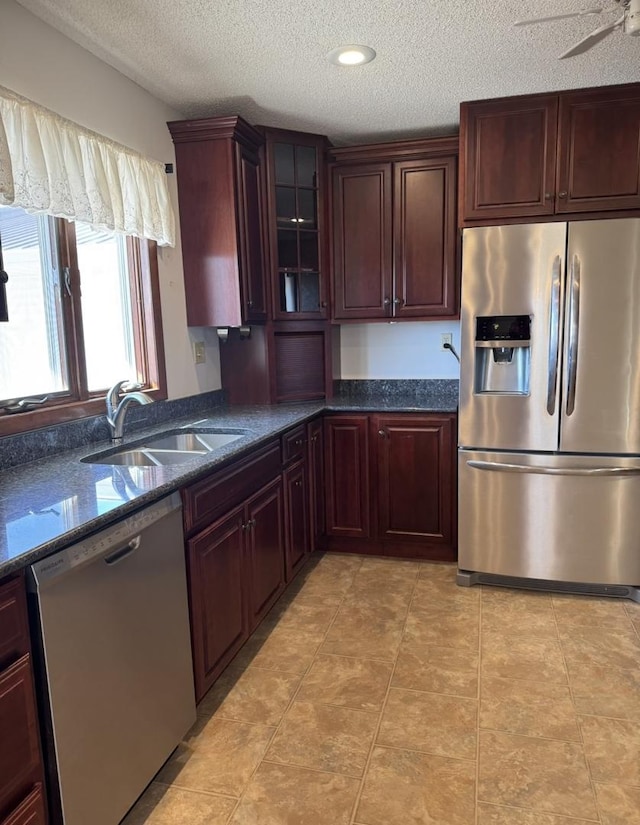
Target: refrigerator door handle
554	335
573	324
499	467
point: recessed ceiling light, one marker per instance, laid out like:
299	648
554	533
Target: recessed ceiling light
351	55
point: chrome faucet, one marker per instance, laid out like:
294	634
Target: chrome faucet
116	411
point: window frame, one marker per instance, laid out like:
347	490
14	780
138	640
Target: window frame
77	401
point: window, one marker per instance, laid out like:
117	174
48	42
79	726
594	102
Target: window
83	313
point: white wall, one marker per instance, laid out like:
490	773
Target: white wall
38	62
400	350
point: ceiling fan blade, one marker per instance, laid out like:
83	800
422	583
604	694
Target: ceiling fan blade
557	17
591	39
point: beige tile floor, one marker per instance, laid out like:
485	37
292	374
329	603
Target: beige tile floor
377	692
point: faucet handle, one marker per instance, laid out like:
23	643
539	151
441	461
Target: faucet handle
129	386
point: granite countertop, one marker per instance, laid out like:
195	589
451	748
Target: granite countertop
50	503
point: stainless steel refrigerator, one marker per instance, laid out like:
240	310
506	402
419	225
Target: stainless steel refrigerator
549	424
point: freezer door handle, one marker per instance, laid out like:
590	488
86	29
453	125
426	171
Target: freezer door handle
500	467
573	325
554	334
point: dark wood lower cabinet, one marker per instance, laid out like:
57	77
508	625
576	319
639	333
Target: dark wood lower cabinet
391	485
315	440
234	525
219	620
31	810
22	800
296	517
265	551
347	475
414	485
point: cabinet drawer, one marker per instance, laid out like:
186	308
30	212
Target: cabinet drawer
220	492
14	632
30	811
293	444
19	742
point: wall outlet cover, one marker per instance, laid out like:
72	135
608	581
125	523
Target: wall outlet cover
445	338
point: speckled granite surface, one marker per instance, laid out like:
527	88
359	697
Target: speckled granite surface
50	502
37	444
433	395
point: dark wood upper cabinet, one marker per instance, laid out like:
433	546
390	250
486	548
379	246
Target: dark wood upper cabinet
394	230
220	197
416	490
599	150
550	154
362	239
296	223
424	225
508	157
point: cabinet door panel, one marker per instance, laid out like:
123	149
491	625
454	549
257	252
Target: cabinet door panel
297	517
415	477
30	811
347	468
425	237
14	633
599	163
217	600
508	157
362	241
19	740
316	481
265	551
252	259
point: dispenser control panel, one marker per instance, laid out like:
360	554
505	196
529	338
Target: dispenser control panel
503	328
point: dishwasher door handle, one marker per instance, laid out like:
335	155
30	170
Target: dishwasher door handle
123	552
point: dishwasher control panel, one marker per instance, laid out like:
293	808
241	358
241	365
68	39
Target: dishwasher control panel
107	541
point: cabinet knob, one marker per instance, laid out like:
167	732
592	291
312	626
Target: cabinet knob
387	301
562	194
298	442
298	483
547	196
396	301
323	304
249	304
382	433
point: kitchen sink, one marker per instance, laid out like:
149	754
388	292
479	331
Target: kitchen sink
173	447
191	441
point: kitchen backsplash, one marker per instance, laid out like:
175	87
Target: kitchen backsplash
18	449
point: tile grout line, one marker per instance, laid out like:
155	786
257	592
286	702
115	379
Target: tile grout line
575	709
356	802
293	697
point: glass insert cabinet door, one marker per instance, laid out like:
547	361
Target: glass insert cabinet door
296	174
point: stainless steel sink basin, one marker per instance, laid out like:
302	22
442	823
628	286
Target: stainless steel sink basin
173	447
191	442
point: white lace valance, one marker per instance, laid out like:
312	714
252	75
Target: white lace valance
53	165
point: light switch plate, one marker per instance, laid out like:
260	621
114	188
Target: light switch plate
198	352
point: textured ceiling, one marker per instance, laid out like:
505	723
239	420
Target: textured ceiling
265	59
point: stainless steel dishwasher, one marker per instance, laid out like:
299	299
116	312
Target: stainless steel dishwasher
117	654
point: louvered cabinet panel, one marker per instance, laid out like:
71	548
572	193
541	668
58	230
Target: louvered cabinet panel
299	365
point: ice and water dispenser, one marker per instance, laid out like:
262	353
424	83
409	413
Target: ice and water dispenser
503	354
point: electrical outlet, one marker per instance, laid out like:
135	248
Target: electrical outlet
445	338
198	352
